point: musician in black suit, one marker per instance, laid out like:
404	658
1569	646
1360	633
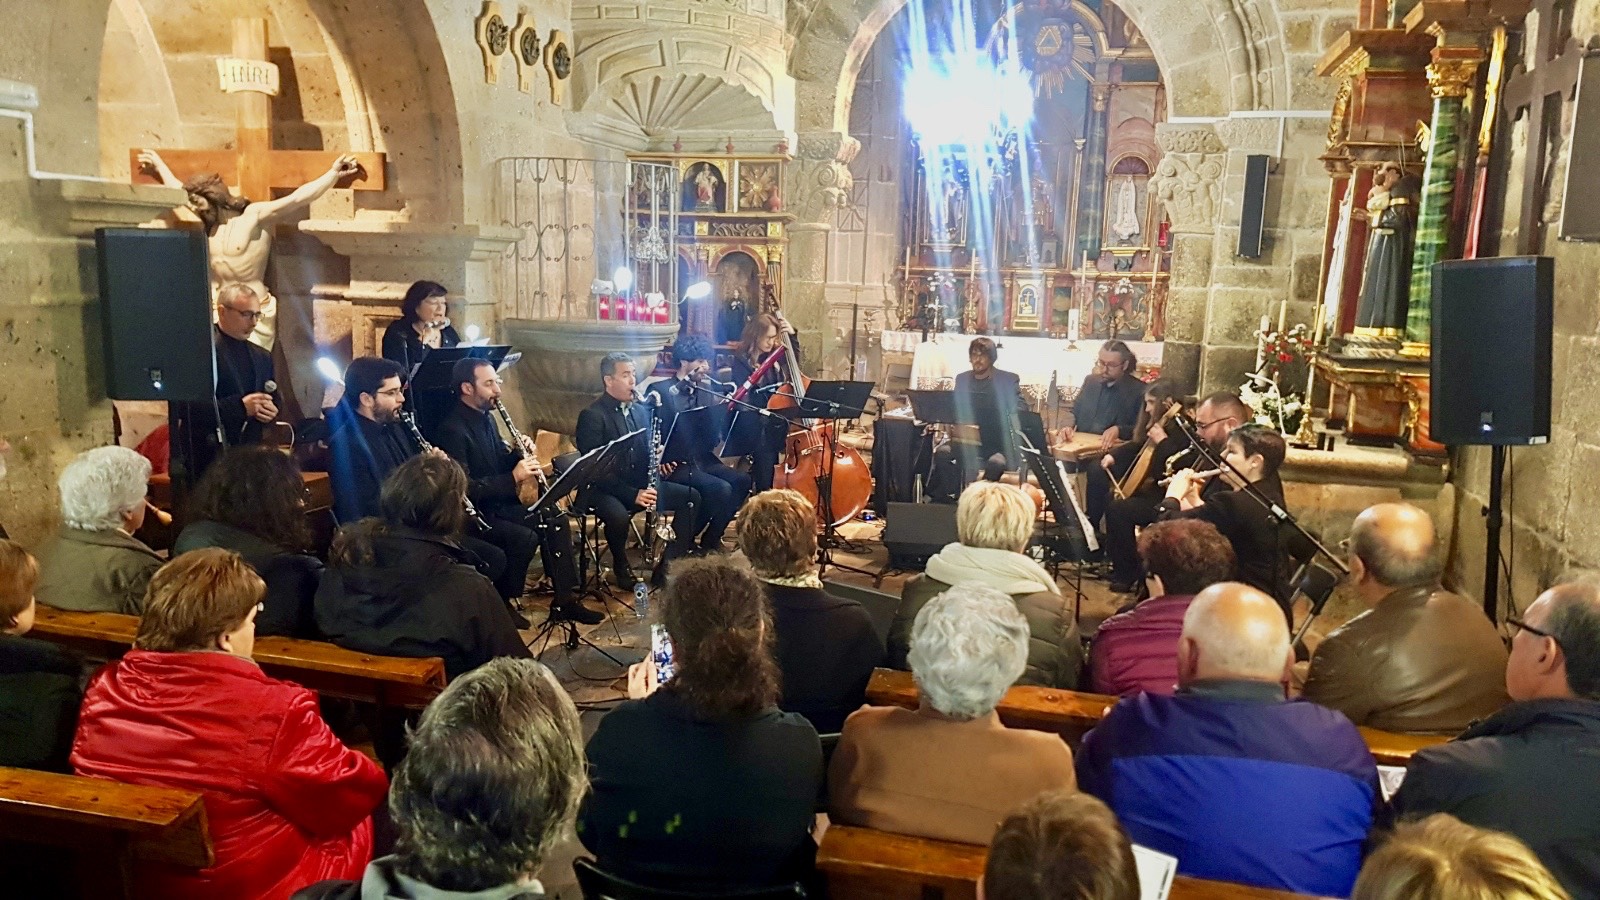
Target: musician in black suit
722	489
1125	515
989	398
244	371
616	497
1108	404
495	476
762	438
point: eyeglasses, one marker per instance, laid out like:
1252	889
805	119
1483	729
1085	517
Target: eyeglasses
252	315
393	392
1537	632
1204	425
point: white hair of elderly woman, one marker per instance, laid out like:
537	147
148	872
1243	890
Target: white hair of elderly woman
102	485
968	645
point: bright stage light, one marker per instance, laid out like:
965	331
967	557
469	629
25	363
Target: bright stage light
966	99
698	290
330	370
473	332
622	279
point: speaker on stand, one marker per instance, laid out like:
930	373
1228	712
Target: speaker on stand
1490	370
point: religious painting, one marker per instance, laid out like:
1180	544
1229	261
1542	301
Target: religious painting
1119	310
1029	306
1060	307
944	226
704	188
758	187
1127	203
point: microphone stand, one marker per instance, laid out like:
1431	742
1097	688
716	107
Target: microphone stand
1280	516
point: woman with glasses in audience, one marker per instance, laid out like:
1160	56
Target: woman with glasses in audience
287	804
702	784
253	501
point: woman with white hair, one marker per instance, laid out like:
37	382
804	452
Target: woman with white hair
96	564
949	770
993	524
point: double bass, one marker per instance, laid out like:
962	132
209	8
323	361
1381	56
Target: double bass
805	462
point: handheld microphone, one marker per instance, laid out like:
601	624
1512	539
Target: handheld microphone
270	387
1205	474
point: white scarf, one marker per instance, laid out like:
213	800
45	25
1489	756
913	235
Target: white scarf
1003	570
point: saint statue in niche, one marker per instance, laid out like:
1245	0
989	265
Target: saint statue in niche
1125	211
1386	277
702	183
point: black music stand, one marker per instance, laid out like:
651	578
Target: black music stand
1066	541
428	382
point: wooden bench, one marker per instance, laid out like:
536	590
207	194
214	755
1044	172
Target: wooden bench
861	863
1072	713
108	826
391	681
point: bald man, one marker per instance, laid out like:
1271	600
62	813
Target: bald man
1421	659
1531	769
1236	781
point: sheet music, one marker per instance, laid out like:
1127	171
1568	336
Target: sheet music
1156	871
1077	506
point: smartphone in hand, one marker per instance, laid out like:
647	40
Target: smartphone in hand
661	653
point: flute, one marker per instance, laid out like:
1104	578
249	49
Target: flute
1197	476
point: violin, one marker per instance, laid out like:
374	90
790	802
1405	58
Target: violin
1135	477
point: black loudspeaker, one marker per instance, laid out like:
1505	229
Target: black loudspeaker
915	531
155	296
1253	216
1491	350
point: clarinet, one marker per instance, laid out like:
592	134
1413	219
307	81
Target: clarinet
410	422
518	443
657	522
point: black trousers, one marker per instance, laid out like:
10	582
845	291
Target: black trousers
681	500
1096	492
722	491
764	460
518	544
491	558
1122	517
549	534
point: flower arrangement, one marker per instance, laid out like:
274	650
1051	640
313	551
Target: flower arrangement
1275	351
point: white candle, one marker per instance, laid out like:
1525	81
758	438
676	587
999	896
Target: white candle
1261	342
1283	312
1072	324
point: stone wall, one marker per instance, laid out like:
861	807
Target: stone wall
1550	527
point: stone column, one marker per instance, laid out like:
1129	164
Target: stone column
819	182
1188	182
1092	184
1450	77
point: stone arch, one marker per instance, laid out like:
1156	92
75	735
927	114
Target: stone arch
1217	56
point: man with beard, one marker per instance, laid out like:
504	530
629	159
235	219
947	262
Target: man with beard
722	489
239	231
1107	404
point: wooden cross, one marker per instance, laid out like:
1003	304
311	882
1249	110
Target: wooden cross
252	166
1542	90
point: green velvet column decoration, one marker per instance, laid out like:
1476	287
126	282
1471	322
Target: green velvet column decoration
1092	188
1433	215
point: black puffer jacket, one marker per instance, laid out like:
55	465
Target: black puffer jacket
407	593
291	577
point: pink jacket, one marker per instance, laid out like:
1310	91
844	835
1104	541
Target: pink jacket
1138	650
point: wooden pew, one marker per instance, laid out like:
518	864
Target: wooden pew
333	671
1072	713
861	863
108	826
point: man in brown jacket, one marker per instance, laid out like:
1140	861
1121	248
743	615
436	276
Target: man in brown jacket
1421	660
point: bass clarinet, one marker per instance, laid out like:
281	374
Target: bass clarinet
410	421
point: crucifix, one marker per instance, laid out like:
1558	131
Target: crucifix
240	230
1542	90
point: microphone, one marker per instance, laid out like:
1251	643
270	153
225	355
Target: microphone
1205	474
270	387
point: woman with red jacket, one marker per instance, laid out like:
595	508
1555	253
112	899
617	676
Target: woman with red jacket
287	803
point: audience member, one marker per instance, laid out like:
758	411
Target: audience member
96	564
1138	650
253	501
1061	845
1439	858
993	525
287	804
826	648
402	585
703	784
492	779
1421	659
948	769
1257	537
1532	769
39	693
1226	775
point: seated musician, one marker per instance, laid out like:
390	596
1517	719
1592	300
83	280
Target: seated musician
949	770
615	498
287	803
497	475
722	489
1256	451
252	501
367	441
989	397
247	397
1169	446
95	563
400	586
764	437
1107	404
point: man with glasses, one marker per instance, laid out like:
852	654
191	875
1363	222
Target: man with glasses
1108	405
244	372
1531	770
1422	659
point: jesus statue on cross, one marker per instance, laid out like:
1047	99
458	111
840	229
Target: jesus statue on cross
239	231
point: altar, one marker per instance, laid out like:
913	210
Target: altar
1036	360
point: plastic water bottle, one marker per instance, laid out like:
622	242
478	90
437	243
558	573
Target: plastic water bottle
641	600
